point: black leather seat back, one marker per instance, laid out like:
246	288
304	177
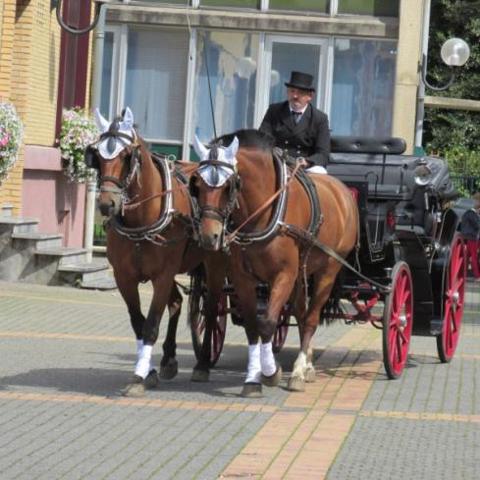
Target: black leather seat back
372	145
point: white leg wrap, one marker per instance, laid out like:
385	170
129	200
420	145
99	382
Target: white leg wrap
299	366
254	371
267	359
143	362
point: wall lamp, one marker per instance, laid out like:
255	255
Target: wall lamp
455	53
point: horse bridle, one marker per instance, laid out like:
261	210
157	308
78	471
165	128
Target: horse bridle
120	185
234	182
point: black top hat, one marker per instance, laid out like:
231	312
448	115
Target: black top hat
300	80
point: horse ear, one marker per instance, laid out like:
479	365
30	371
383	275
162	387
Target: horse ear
102	123
127	121
232	149
200	148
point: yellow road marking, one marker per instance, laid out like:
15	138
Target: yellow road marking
140	402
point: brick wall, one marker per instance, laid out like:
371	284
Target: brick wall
29	55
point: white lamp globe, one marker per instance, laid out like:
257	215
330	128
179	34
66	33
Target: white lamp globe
455	52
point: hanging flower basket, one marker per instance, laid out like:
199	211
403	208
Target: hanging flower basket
11	132
76	133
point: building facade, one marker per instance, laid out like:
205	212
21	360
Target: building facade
205	67
209	67
43	70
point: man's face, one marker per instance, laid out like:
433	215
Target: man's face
298	99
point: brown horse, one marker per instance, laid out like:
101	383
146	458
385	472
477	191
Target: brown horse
241	189
148	230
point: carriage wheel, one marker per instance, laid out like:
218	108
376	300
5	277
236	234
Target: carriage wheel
196	316
453	298
281	331
397	321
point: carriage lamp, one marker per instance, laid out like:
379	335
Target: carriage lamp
422	174
455	53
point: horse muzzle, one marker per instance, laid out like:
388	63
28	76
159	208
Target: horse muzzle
211	242
109	206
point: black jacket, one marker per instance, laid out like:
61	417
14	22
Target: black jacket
309	138
470	225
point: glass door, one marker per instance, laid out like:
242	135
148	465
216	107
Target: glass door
284	54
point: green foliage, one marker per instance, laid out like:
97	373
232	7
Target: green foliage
446	129
464	167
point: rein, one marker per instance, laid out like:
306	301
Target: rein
133	205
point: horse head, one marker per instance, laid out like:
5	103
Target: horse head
116	157
215	185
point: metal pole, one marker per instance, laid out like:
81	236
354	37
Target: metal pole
90	206
91	193
421	85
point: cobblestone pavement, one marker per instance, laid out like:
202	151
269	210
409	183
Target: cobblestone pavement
66	353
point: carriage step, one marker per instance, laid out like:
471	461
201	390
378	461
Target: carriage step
40	240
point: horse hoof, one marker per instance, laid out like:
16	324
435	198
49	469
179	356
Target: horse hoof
200	376
296	384
252	390
310	375
170	370
135	388
274	379
152	381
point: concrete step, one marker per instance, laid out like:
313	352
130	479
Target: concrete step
78	273
6	210
39	240
107	283
18	224
65	255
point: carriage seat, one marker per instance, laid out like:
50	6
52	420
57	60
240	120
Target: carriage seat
390	175
377	161
372	145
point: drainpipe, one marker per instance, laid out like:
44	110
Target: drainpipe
91	194
421	85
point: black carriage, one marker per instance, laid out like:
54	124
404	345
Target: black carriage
409	248
410	257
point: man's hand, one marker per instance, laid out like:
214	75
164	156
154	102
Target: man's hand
303	162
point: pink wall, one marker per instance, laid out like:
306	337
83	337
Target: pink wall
49	197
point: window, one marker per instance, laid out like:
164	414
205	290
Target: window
107	79
155	82
379	8
232	66
230	3
321	6
288	56
363	87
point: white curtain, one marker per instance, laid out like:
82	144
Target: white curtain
156	81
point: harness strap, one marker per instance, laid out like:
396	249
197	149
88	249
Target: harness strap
230	237
244	238
302	235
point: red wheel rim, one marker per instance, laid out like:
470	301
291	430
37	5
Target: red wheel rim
281	332
398	322
196	316
454	296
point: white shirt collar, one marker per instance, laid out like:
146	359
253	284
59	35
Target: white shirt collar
301	111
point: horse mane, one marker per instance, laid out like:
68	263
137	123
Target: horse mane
247	138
